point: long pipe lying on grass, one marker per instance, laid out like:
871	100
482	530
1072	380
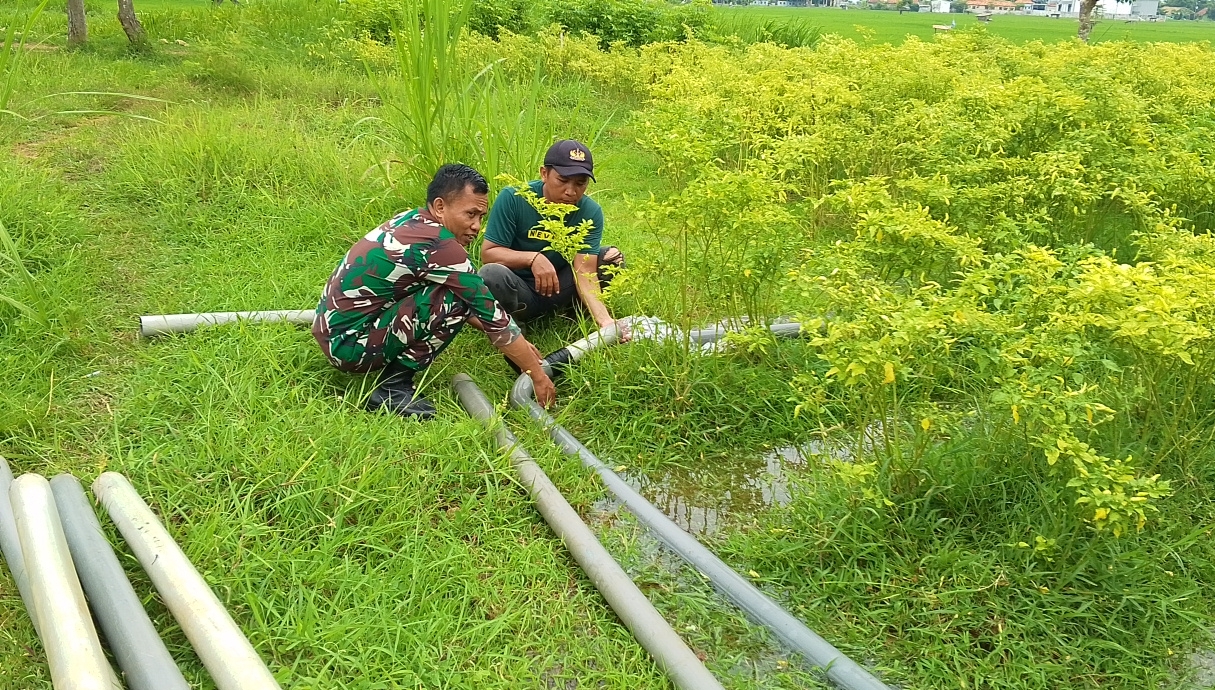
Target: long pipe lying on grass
667	648
141	654
220	644
162	324
10	543
842	671
68	636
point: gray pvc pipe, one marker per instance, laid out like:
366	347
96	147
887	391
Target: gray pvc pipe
841	670
667	648
128	631
151	326
712	334
10	543
68	636
220	644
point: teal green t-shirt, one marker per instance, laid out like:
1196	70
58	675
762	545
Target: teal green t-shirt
514	223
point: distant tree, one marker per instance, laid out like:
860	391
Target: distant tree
130	23
78	29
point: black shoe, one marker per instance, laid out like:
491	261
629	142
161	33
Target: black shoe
397	394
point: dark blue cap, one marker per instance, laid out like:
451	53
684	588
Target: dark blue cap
569	158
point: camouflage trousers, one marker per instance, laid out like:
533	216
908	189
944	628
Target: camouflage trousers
412	332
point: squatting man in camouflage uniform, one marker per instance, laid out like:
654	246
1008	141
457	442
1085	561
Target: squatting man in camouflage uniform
404	291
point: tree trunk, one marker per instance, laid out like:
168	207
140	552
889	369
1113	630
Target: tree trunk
130	23
78	30
1086	18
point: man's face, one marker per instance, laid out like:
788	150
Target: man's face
462	214
561	189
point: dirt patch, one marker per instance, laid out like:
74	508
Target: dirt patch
33	150
25	151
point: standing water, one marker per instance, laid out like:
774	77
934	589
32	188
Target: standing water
702	498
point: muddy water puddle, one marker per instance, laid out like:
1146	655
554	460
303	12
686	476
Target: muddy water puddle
705	496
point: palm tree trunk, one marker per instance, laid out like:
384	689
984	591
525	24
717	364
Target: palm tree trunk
130	23
1086	18
78	30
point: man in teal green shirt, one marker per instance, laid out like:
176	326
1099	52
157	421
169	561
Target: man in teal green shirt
526	276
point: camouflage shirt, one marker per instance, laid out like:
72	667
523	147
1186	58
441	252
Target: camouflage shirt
399	259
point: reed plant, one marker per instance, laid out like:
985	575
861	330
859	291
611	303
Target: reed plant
755	27
441	109
12	52
14	271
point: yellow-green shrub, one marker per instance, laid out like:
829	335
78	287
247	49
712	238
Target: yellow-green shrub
1011	237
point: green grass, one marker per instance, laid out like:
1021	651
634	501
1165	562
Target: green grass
360	551
882	26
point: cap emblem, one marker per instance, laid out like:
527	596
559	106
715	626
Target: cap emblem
577	155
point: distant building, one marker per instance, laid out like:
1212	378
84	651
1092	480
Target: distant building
1111	9
994	6
1115	9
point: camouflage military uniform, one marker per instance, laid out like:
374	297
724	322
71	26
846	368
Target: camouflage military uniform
401	294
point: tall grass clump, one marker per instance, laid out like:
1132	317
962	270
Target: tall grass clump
748	27
14	271
441	109
12	52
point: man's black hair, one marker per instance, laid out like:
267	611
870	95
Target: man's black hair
451	180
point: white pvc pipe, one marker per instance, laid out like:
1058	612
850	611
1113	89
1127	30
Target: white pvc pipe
161	324
68	636
10	543
219	643
132	639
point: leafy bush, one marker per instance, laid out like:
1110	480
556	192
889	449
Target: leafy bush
488	17
968	221
374	18
631	22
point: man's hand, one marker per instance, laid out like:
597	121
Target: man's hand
547	283
543	385
528	359
623	327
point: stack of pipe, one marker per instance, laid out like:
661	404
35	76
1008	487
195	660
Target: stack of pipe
59	611
63	564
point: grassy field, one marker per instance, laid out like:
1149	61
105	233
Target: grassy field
360	551
880	26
